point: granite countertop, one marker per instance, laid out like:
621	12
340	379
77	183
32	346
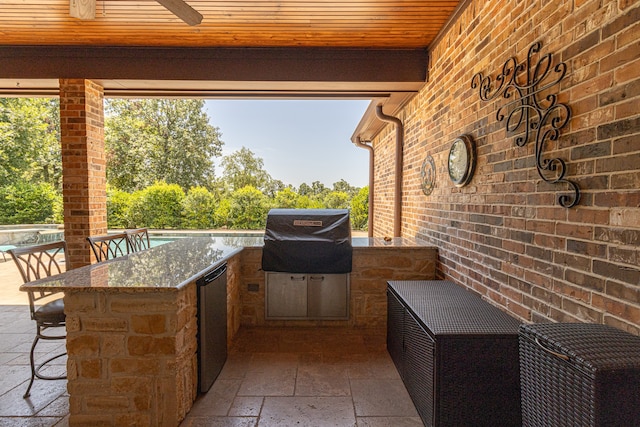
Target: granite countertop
164	267
172	265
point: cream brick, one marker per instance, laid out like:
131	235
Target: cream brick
90	420
131	365
91	368
140	304
107	403
112	345
83	345
149	324
134	419
105	324
150	346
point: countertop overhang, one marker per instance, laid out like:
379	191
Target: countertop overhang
172	265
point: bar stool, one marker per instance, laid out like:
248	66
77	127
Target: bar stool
109	246
47	307
138	239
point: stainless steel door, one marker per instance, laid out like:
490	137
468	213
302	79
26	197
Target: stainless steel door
286	295
212	326
328	296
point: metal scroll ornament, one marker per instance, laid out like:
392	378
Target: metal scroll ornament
532	111
428	175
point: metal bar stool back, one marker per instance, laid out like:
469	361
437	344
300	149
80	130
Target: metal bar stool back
138	239
109	246
46	307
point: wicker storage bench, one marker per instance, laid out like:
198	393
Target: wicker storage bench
456	354
576	374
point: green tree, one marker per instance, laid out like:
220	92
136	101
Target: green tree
28	203
273	186
198	209
286	199
30	141
336	200
119	209
167	140
129	142
223	214
318	189
360	209
242	168
315	193
306	202
345	187
158	206
305	189
248	208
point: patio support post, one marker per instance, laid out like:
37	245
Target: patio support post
84	182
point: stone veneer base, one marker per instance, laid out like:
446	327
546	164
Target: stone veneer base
132	356
372	268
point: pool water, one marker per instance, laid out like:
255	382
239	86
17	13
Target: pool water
157	241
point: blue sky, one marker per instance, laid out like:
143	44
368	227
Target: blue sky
299	141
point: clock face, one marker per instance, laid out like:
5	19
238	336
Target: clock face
461	160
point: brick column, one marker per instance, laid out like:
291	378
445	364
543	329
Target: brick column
83	166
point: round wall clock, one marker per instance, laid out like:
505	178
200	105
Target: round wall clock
462	160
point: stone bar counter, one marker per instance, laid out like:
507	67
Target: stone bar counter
131	321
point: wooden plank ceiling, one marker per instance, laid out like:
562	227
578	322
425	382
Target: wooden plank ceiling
386	24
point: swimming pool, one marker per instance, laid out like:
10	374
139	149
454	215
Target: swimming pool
225	238
157	241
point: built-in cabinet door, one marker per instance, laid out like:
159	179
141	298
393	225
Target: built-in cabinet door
328	296
286	295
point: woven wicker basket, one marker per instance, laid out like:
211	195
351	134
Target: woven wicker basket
574	374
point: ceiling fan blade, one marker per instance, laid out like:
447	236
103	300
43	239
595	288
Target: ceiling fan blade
182	10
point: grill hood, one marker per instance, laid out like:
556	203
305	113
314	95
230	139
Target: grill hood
307	241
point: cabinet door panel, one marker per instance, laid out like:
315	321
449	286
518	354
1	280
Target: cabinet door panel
328	295
286	295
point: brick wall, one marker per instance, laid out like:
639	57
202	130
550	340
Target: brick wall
384	168
504	235
83	161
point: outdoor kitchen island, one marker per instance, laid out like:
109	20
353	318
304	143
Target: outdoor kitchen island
131	322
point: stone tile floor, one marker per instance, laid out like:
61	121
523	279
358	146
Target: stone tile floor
306	377
48	403
273	377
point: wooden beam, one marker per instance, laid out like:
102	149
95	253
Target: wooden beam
215	64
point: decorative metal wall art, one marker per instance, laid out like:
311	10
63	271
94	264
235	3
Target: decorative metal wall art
532	109
462	160
428	175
